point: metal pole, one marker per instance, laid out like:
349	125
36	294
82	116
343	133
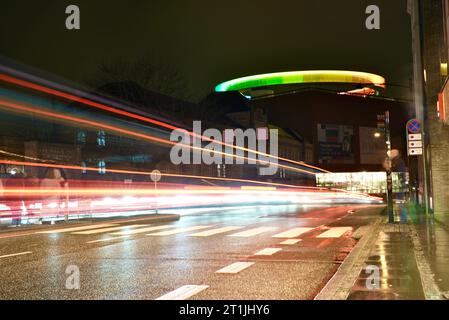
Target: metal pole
388	169
155	188
419	95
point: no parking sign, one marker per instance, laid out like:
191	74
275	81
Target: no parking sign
413	126
414	137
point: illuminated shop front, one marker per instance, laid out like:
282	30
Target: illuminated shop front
366	182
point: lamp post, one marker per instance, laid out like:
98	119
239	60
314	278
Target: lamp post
386	123
389	175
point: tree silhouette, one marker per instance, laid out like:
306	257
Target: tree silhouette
147	72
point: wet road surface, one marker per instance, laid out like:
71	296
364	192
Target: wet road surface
272	252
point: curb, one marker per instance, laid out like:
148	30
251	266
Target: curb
430	287
341	283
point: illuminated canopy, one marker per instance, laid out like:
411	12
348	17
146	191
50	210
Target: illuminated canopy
298	77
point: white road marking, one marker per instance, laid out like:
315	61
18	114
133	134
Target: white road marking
292	233
183	292
15	254
96	226
267	251
252	232
214	231
140	230
335	232
178	230
235	267
109	229
107	239
291	241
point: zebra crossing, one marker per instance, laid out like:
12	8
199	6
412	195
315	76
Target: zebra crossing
292	233
110	232
115	231
252	232
212	232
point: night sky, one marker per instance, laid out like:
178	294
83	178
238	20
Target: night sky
209	41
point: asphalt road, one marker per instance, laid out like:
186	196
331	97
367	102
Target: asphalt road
277	252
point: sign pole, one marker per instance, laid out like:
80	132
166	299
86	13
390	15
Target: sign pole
416	147
155	176
388	169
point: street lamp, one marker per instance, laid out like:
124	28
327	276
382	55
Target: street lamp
384	123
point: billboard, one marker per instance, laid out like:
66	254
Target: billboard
335	144
372	149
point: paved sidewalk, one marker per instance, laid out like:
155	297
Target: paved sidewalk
393	254
412	257
407	260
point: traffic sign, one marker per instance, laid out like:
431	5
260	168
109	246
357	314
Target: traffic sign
415	144
415	137
413	126
155	175
415	151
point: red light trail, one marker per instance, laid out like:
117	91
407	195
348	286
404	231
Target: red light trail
97	105
96	124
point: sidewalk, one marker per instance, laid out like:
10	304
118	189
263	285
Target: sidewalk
407	260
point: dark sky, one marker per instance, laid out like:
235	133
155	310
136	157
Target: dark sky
209	41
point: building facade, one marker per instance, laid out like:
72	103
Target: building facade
434	24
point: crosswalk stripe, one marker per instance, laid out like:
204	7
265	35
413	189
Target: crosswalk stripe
95	226
335	232
107	239
292	233
235	267
215	231
291	241
252	232
178	230
267	251
15	254
183	292
95	231
140	230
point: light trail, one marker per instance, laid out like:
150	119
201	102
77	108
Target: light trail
121	171
95	124
37	191
101	106
176	175
57	202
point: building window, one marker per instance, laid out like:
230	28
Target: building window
101	167
101	138
81	137
443	69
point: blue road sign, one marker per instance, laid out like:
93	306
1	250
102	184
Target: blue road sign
413	126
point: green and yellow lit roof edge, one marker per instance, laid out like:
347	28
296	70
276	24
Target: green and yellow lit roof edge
298	77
